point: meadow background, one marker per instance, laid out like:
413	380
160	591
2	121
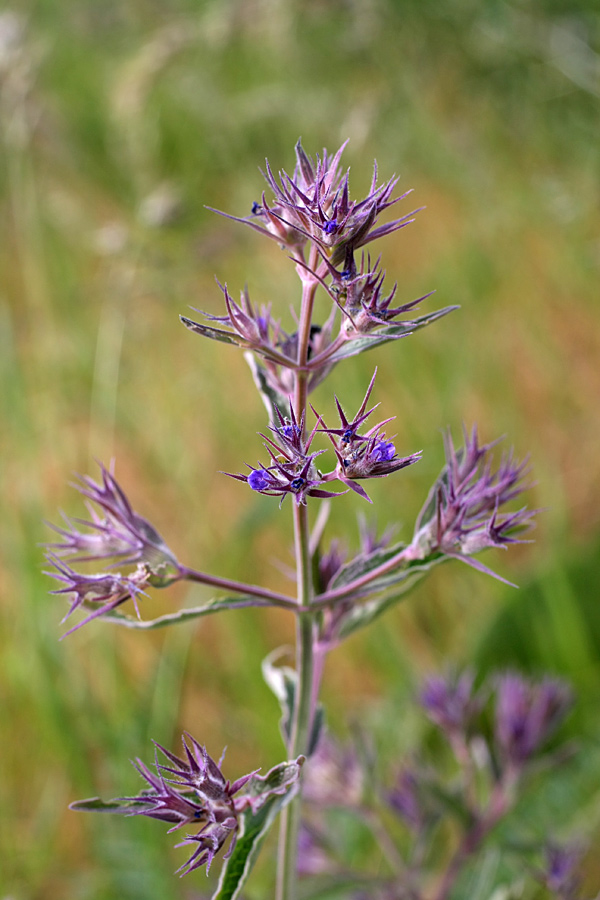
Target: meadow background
119	123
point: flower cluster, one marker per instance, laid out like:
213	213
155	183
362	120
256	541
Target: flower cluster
461	516
194	792
314	205
292	470
114	531
480	793
368	455
325	232
527	714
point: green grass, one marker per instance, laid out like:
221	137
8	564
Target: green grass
489	111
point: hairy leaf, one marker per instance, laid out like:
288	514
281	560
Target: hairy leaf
388	333
283	680
253	829
271	398
184	615
365	613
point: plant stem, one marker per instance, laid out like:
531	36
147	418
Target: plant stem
238	587
304	700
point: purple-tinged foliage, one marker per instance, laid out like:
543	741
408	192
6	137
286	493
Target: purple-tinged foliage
449	701
329	564
359	295
462	514
527	714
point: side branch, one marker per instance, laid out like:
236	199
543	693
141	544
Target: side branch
238	587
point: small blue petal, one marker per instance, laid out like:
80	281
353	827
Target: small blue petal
383	451
259	480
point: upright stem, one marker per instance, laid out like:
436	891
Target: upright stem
304	700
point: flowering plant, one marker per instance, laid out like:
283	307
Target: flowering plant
311	216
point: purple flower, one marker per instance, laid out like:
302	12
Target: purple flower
314	204
449	701
114	531
527	713
333	775
299	479
461	515
368	455
192	791
102	593
404	798
292	470
561	875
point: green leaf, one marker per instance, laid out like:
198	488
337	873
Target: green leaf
389	333
283	680
277	781
229	337
184	615
216	334
365	613
252	831
363	564
271	398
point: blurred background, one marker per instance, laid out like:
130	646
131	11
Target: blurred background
119	123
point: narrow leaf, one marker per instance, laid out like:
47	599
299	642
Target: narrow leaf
216	334
363	564
389	333
365	613
283	680
184	615
95	804
270	397
252	832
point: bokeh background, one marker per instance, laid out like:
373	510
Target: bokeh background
119	123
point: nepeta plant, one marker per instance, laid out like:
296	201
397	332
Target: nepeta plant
315	457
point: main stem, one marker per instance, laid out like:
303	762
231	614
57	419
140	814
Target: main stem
304	700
